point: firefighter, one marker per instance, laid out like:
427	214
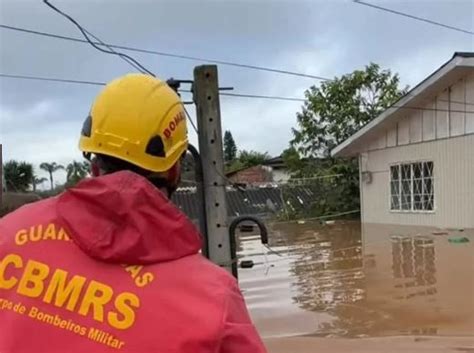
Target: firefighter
111	265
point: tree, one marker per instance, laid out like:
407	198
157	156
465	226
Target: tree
332	113
51	168
298	167
76	171
230	148
338	108
252	158
18	175
247	159
36	181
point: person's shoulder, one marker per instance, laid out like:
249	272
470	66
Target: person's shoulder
208	272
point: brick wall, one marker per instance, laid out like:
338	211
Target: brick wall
256	174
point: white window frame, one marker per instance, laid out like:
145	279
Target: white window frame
411	210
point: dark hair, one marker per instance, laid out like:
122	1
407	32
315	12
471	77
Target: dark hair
110	165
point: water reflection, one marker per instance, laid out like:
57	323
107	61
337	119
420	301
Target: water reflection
321	281
413	259
329	272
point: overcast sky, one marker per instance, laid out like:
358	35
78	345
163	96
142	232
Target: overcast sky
40	121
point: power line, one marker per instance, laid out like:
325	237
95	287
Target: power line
404	14
175	56
97	83
128	59
241	95
50	79
171	55
293	99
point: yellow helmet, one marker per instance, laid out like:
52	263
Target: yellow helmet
139	119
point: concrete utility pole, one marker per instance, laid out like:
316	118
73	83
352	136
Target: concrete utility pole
206	98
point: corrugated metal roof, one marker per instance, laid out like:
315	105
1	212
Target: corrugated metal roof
298	198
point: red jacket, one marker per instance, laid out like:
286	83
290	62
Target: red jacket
112	265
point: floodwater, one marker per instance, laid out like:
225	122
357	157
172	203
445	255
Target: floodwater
323	281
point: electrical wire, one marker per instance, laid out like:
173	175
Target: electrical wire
254	96
227	181
191	120
98	83
292	99
125	57
50	79
404	14
131	61
171	55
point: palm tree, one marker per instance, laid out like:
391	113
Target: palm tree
18	175
76	171
51	168
36	181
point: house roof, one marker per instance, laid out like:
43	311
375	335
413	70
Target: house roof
447	74
235	171
276	162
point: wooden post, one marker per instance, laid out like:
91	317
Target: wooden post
206	97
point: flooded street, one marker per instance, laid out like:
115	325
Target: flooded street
323	281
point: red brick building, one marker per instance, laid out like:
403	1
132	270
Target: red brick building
251	175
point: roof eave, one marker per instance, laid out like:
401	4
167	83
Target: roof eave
344	149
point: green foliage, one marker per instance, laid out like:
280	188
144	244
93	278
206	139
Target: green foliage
230	148
51	168
5	210
58	189
247	159
36	181
76	171
332	113
252	158
18	175
339	108
334	190
302	167
235	165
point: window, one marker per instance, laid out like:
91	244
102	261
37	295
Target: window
412	187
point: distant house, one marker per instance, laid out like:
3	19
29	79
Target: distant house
251	175
272	170
417	158
279	170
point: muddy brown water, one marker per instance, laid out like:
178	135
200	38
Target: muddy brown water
323	280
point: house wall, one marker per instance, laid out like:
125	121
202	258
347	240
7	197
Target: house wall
450	113
256	174
444	133
453	183
280	175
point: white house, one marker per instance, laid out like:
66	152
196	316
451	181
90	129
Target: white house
417	158
280	173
